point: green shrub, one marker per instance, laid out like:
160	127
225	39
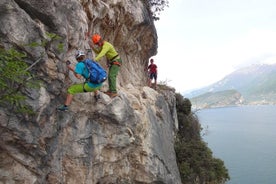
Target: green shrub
157	6
195	161
15	78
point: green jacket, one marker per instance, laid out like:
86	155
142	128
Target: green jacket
106	50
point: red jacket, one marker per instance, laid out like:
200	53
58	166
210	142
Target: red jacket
152	68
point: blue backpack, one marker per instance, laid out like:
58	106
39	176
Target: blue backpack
97	74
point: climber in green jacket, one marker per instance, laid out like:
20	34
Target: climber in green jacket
103	48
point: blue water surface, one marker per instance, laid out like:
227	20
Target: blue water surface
245	139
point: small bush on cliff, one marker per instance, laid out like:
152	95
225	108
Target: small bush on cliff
14	80
157	6
16	77
195	161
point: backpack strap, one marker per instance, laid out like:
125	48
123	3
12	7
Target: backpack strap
86	67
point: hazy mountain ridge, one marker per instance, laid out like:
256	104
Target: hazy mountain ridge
217	99
256	84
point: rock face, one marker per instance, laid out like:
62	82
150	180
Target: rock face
128	139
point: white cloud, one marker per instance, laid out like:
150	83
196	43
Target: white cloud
269	60
197	49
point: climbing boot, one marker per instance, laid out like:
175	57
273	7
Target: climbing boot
62	108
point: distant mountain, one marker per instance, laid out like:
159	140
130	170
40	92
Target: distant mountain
217	99
256	84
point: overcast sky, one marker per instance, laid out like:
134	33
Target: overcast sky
201	41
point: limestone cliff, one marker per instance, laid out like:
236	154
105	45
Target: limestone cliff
128	139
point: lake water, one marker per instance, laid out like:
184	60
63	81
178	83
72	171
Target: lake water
245	139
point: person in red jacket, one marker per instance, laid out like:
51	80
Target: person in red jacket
152	69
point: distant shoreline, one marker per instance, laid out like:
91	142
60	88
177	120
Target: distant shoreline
230	106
